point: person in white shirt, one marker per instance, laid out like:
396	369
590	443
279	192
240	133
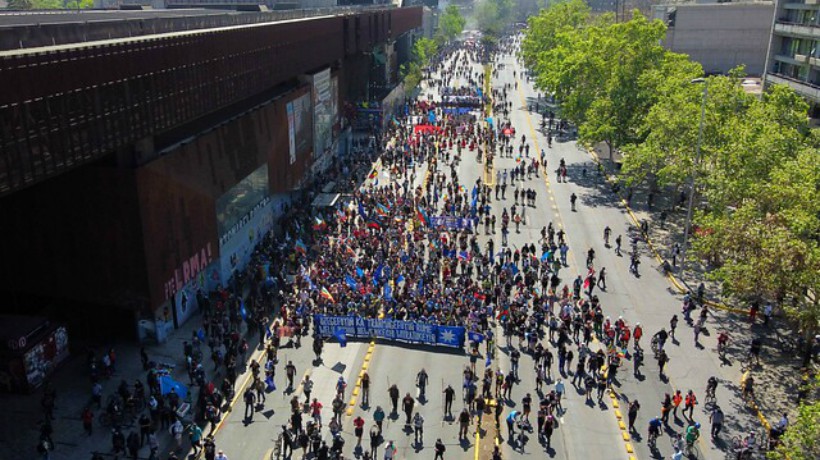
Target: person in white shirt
221	456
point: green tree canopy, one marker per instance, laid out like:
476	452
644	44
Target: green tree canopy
492	17
450	24
802	440
424	49
543	28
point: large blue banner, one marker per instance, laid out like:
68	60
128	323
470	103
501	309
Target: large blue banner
451	222
389	329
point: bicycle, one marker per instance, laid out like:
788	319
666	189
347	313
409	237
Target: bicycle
738	450
710	395
652	440
750	362
721	349
691	451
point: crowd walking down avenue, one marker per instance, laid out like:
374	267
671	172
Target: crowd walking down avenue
474	210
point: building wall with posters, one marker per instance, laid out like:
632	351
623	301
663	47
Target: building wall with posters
131	211
201	223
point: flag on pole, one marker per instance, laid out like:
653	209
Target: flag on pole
340	335
300	247
351	283
362	213
326	294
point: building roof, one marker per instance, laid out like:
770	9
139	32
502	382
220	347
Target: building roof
25	18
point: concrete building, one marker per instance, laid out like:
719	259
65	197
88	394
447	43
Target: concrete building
794	50
720	36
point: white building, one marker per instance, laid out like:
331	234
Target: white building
720	36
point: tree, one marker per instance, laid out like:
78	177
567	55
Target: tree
450	24
542	29
626	54
19	4
423	51
802	439
492	17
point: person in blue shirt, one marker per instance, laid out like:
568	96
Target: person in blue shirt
511	419
654	429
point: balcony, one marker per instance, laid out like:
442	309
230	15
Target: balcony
799	30
801	58
804	88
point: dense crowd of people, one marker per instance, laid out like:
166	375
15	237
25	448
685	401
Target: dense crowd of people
380	254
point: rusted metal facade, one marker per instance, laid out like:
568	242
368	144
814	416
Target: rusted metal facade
162	127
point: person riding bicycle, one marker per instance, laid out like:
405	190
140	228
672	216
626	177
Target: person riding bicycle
723	340
659	340
692	434
711	386
750	441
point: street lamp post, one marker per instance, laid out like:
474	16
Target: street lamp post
688	225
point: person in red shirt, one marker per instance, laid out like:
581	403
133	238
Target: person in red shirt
637	333
316	411
358	424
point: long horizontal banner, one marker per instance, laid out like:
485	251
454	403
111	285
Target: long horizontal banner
389	329
451	222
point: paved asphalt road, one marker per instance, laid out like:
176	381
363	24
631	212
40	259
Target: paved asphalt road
585	431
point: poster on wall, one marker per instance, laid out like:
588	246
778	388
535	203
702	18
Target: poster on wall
322	112
291	133
236	245
334	105
300	125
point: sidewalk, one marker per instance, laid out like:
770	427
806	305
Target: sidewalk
72	383
778	379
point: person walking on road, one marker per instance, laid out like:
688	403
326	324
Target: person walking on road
676	400
716	418
393	391
378	417
365	389
407	405
449	395
375	435
421	382
689	404
673	324
440	449
250	401
634	406
390	451
418	428
463	423
572	199
290	372
662	360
